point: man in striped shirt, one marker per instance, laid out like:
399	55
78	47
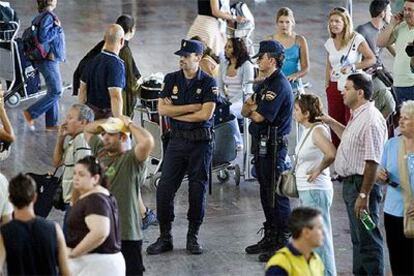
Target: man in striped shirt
357	159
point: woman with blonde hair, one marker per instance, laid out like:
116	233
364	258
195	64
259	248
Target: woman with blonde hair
347	52
296	63
399	200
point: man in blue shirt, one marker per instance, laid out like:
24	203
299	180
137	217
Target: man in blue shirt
270	106
104	77
188	98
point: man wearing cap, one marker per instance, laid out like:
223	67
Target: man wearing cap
103	79
125	170
189	98
270	106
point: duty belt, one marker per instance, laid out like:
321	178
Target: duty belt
198	134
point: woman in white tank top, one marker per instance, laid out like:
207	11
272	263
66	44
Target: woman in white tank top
314	153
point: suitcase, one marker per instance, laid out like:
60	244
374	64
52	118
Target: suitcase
31	76
46	186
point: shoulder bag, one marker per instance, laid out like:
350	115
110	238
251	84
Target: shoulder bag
406	191
286	185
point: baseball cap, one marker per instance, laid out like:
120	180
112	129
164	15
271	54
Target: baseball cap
114	125
270	46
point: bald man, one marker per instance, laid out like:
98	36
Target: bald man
104	78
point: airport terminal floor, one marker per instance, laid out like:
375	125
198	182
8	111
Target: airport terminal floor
234	213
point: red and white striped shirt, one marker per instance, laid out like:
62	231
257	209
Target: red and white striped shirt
363	139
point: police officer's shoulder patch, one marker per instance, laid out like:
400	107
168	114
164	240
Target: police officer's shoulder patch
270	96
214	90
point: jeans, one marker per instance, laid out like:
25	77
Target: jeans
322	199
404	94
132	252
368	249
49	103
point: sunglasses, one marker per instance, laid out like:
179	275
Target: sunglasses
340	9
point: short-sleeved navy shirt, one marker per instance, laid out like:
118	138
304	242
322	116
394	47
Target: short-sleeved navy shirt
274	98
104	71
201	89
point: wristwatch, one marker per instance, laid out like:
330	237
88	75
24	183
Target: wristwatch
362	195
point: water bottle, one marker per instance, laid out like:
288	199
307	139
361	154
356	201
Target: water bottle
367	221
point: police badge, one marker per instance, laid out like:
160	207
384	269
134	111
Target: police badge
175	89
270	96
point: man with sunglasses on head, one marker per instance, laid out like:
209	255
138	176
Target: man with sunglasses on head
270	108
400	32
189	99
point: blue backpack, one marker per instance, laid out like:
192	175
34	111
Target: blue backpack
33	49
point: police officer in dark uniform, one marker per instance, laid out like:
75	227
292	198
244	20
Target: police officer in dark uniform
270	110
188	98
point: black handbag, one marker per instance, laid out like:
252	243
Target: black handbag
46	186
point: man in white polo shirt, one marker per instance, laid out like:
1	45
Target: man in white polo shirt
357	159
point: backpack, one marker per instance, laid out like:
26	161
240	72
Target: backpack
32	48
241	9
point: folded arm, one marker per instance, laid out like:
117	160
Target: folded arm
204	114
167	108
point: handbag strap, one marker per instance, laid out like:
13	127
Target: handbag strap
350	47
402	166
301	145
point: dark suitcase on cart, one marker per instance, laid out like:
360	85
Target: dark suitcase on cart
30	75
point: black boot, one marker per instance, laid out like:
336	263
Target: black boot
281	241
264	244
164	243
193	246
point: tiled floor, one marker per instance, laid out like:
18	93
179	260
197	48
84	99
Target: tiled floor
234	214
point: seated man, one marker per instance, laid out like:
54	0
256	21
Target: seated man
297	257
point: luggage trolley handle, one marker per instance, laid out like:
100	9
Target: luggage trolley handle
9	35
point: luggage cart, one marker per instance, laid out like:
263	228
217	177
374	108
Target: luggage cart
158	125
223	154
22	80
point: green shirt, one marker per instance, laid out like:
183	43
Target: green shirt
125	174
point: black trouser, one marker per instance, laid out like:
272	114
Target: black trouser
276	216
184	156
401	249
131	250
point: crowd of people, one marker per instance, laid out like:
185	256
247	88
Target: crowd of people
104	153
